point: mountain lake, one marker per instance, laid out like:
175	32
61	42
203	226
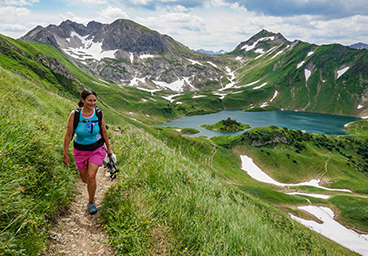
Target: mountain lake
308	122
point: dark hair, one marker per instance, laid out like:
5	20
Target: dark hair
84	94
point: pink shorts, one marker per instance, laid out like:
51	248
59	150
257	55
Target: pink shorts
83	157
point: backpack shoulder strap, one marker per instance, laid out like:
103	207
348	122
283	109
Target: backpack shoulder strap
99	116
76	120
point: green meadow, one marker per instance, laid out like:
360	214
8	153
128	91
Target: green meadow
174	194
169	198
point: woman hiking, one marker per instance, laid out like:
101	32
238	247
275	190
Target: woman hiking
91	135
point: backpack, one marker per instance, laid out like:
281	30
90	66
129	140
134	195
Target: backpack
77	113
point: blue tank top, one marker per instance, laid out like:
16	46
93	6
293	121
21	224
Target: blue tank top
87	132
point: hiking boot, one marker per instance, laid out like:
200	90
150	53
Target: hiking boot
92	208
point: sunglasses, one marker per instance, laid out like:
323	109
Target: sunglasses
89	125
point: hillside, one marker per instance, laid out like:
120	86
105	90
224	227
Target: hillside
171	196
265	72
157	206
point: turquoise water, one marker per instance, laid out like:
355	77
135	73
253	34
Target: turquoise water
309	122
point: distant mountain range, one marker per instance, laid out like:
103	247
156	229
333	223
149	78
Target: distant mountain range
265	72
359	46
211	52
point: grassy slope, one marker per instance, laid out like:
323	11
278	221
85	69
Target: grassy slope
178	202
164	201
34	183
339	161
323	93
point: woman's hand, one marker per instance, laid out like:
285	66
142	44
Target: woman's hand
66	159
109	152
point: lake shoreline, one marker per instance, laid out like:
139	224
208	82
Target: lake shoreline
304	121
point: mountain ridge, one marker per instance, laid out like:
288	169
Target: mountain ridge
302	76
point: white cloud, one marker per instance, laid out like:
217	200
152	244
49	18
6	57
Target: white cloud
72	17
13	14
12	27
18	2
111	13
142	2
95	1
218	3
238	7
178	8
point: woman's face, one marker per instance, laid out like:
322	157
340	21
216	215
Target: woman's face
90	102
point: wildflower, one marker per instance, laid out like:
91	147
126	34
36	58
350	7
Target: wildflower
22	190
185	251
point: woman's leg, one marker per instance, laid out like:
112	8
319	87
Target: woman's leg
91	180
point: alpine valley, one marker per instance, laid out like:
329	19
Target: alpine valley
177	194
266	72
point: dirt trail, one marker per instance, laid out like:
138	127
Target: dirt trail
79	233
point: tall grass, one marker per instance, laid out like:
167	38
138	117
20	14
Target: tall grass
34	184
166	204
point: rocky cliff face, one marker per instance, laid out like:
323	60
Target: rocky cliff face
131	54
266	70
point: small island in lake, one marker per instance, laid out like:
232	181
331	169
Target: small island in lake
227	125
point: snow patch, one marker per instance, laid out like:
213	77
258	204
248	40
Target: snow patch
131	56
261	51
144	100
307	74
342	71
310	53
195	62
278	53
265	104
311	195
274	95
253	83
176	85
170	97
359	106
232	78
137	81
251	47
222	95
145	56
236	92
199	96
260	86
256	173
213	64
88	49
300	64
332	229
238	58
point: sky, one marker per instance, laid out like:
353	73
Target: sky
211	25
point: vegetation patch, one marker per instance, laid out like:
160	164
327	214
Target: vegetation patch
228	125
188	131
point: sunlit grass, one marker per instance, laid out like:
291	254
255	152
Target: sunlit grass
34	184
165	203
